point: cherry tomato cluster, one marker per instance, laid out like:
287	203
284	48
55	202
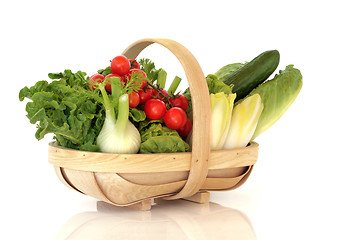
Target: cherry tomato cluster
122	68
174	117
154	102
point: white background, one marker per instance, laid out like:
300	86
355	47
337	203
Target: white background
305	184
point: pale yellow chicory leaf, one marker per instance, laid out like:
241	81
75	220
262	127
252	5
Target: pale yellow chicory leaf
221	109
245	117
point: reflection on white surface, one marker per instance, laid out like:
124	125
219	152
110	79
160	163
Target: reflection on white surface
173	220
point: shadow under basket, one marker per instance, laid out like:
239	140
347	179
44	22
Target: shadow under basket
135	179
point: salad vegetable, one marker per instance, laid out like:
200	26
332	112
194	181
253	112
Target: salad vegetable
66	108
175	118
120	65
253	73
227	70
244	120
157	138
221	110
118	134
155	109
277	95
174	85
125	108
94	81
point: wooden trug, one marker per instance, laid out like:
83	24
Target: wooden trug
135	179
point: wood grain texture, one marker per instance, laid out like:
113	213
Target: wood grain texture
156	178
86	183
224	183
116	190
144	205
120	191
200	197
144	163
62	178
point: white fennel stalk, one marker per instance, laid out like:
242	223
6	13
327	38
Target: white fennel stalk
118	135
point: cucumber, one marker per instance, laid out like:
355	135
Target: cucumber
253	73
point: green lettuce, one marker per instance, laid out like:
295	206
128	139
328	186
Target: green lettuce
136	115
221	110
66	108
227	70
156	138
277	95
214	85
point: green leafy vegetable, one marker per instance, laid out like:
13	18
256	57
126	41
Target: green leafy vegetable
214	85
148	67
227	70
277	95
156	138
137	115
221	109
217	86
164	144
105	71
66	108
244	119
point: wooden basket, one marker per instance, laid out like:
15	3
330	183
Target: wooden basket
135	179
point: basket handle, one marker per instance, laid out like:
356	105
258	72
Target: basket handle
201	110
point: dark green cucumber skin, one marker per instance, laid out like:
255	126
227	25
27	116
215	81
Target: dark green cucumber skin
253	73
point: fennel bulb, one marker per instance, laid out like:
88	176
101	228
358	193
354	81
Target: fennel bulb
244	119
118	134
221	110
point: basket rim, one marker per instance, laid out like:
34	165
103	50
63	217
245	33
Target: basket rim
150	162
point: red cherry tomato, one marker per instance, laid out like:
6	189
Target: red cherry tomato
120	65
94	79
125	78
107	79
180	101
153	93
134	64
134	99
141	74
145	95
175	118
155	109
186	129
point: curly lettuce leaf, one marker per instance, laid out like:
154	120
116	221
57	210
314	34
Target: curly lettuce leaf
65	108
137	115
217	86
156	138
164	144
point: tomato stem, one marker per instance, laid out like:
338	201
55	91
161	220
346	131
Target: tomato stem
163	95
